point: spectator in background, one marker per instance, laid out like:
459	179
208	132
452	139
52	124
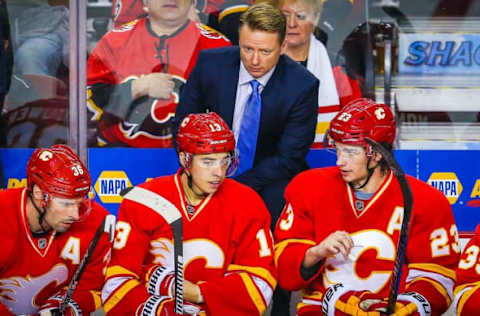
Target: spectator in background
36	108
256	77
302	46
467	290
40	36
222	15
135	73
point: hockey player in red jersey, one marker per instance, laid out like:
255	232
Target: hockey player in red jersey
467	290
46	229
228	254
135	72
340	227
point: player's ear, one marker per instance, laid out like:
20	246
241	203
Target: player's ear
377	156
37	192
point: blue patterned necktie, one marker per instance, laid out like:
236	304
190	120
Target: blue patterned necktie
247	138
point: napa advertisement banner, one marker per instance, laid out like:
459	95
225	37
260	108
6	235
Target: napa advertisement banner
454	172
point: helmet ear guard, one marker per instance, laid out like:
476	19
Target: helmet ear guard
186	160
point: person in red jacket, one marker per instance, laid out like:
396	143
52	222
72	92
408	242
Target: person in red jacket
46	230
467	290
228	254
135	73
222	15
337	236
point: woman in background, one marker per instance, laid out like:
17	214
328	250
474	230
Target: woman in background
302	46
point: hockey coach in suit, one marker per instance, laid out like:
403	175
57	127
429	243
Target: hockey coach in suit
222	82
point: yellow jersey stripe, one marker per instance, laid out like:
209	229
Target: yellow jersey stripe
438	286
322	127
255	295
315	295
261	272
97	300
464	298
119	294
280	247
119	270
235	9
432	267
301	305
93	106
461	287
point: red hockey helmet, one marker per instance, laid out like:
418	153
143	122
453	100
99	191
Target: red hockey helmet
363	118
204	133
60	173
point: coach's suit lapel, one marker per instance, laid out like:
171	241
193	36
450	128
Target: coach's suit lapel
229	81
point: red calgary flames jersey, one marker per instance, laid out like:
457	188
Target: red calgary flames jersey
128	10
227	250
319	203
467	291
32	269
128	53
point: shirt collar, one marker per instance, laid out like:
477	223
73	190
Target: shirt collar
245	77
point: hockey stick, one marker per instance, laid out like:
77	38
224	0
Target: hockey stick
107	226
407	212
173	217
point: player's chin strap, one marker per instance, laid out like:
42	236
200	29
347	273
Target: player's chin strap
188	163
41	216
190	184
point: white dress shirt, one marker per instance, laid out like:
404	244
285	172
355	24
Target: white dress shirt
244	89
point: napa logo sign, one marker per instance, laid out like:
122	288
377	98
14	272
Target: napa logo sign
448	183
109	185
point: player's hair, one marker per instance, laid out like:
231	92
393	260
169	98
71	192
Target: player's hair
384	166
265	17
